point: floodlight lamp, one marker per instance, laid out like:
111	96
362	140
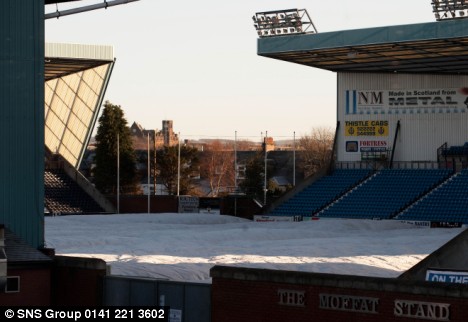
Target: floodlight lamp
283	21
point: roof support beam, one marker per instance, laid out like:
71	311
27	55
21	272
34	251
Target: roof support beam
73	11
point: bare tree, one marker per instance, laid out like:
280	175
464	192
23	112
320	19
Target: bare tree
316	150
217	166
247	145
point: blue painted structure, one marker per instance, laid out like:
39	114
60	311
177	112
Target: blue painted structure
22	118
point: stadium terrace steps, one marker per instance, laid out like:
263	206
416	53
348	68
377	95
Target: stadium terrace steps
386	194
64	196
321	193
446	203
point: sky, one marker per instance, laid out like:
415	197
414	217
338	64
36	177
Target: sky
183	247
196	63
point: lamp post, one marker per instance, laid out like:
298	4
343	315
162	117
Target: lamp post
294	159
265	175
118	173
149	185
235	173
178	166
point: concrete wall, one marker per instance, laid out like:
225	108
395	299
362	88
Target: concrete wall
450	256
91	190
139	204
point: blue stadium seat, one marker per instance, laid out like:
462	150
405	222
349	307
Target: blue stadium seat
321	193
386	193
447	203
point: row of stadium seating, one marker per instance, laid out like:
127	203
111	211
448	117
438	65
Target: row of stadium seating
64	196
321	193
447	203
386	193
403	194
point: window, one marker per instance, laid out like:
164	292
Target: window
12	284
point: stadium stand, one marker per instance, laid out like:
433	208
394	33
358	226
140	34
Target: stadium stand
321	193
386	193
446	203
64	196
456	150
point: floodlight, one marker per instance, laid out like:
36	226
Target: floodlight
274	23
448	9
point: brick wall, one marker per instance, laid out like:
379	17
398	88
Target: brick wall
240	294
139	203
78	281
34	288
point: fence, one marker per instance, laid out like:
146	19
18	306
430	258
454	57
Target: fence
189	302
396	165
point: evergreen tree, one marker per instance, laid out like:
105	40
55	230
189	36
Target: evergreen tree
111	123
167	165
254	177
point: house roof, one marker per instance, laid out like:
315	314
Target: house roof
18	251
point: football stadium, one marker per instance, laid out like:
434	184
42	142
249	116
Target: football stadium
400	154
